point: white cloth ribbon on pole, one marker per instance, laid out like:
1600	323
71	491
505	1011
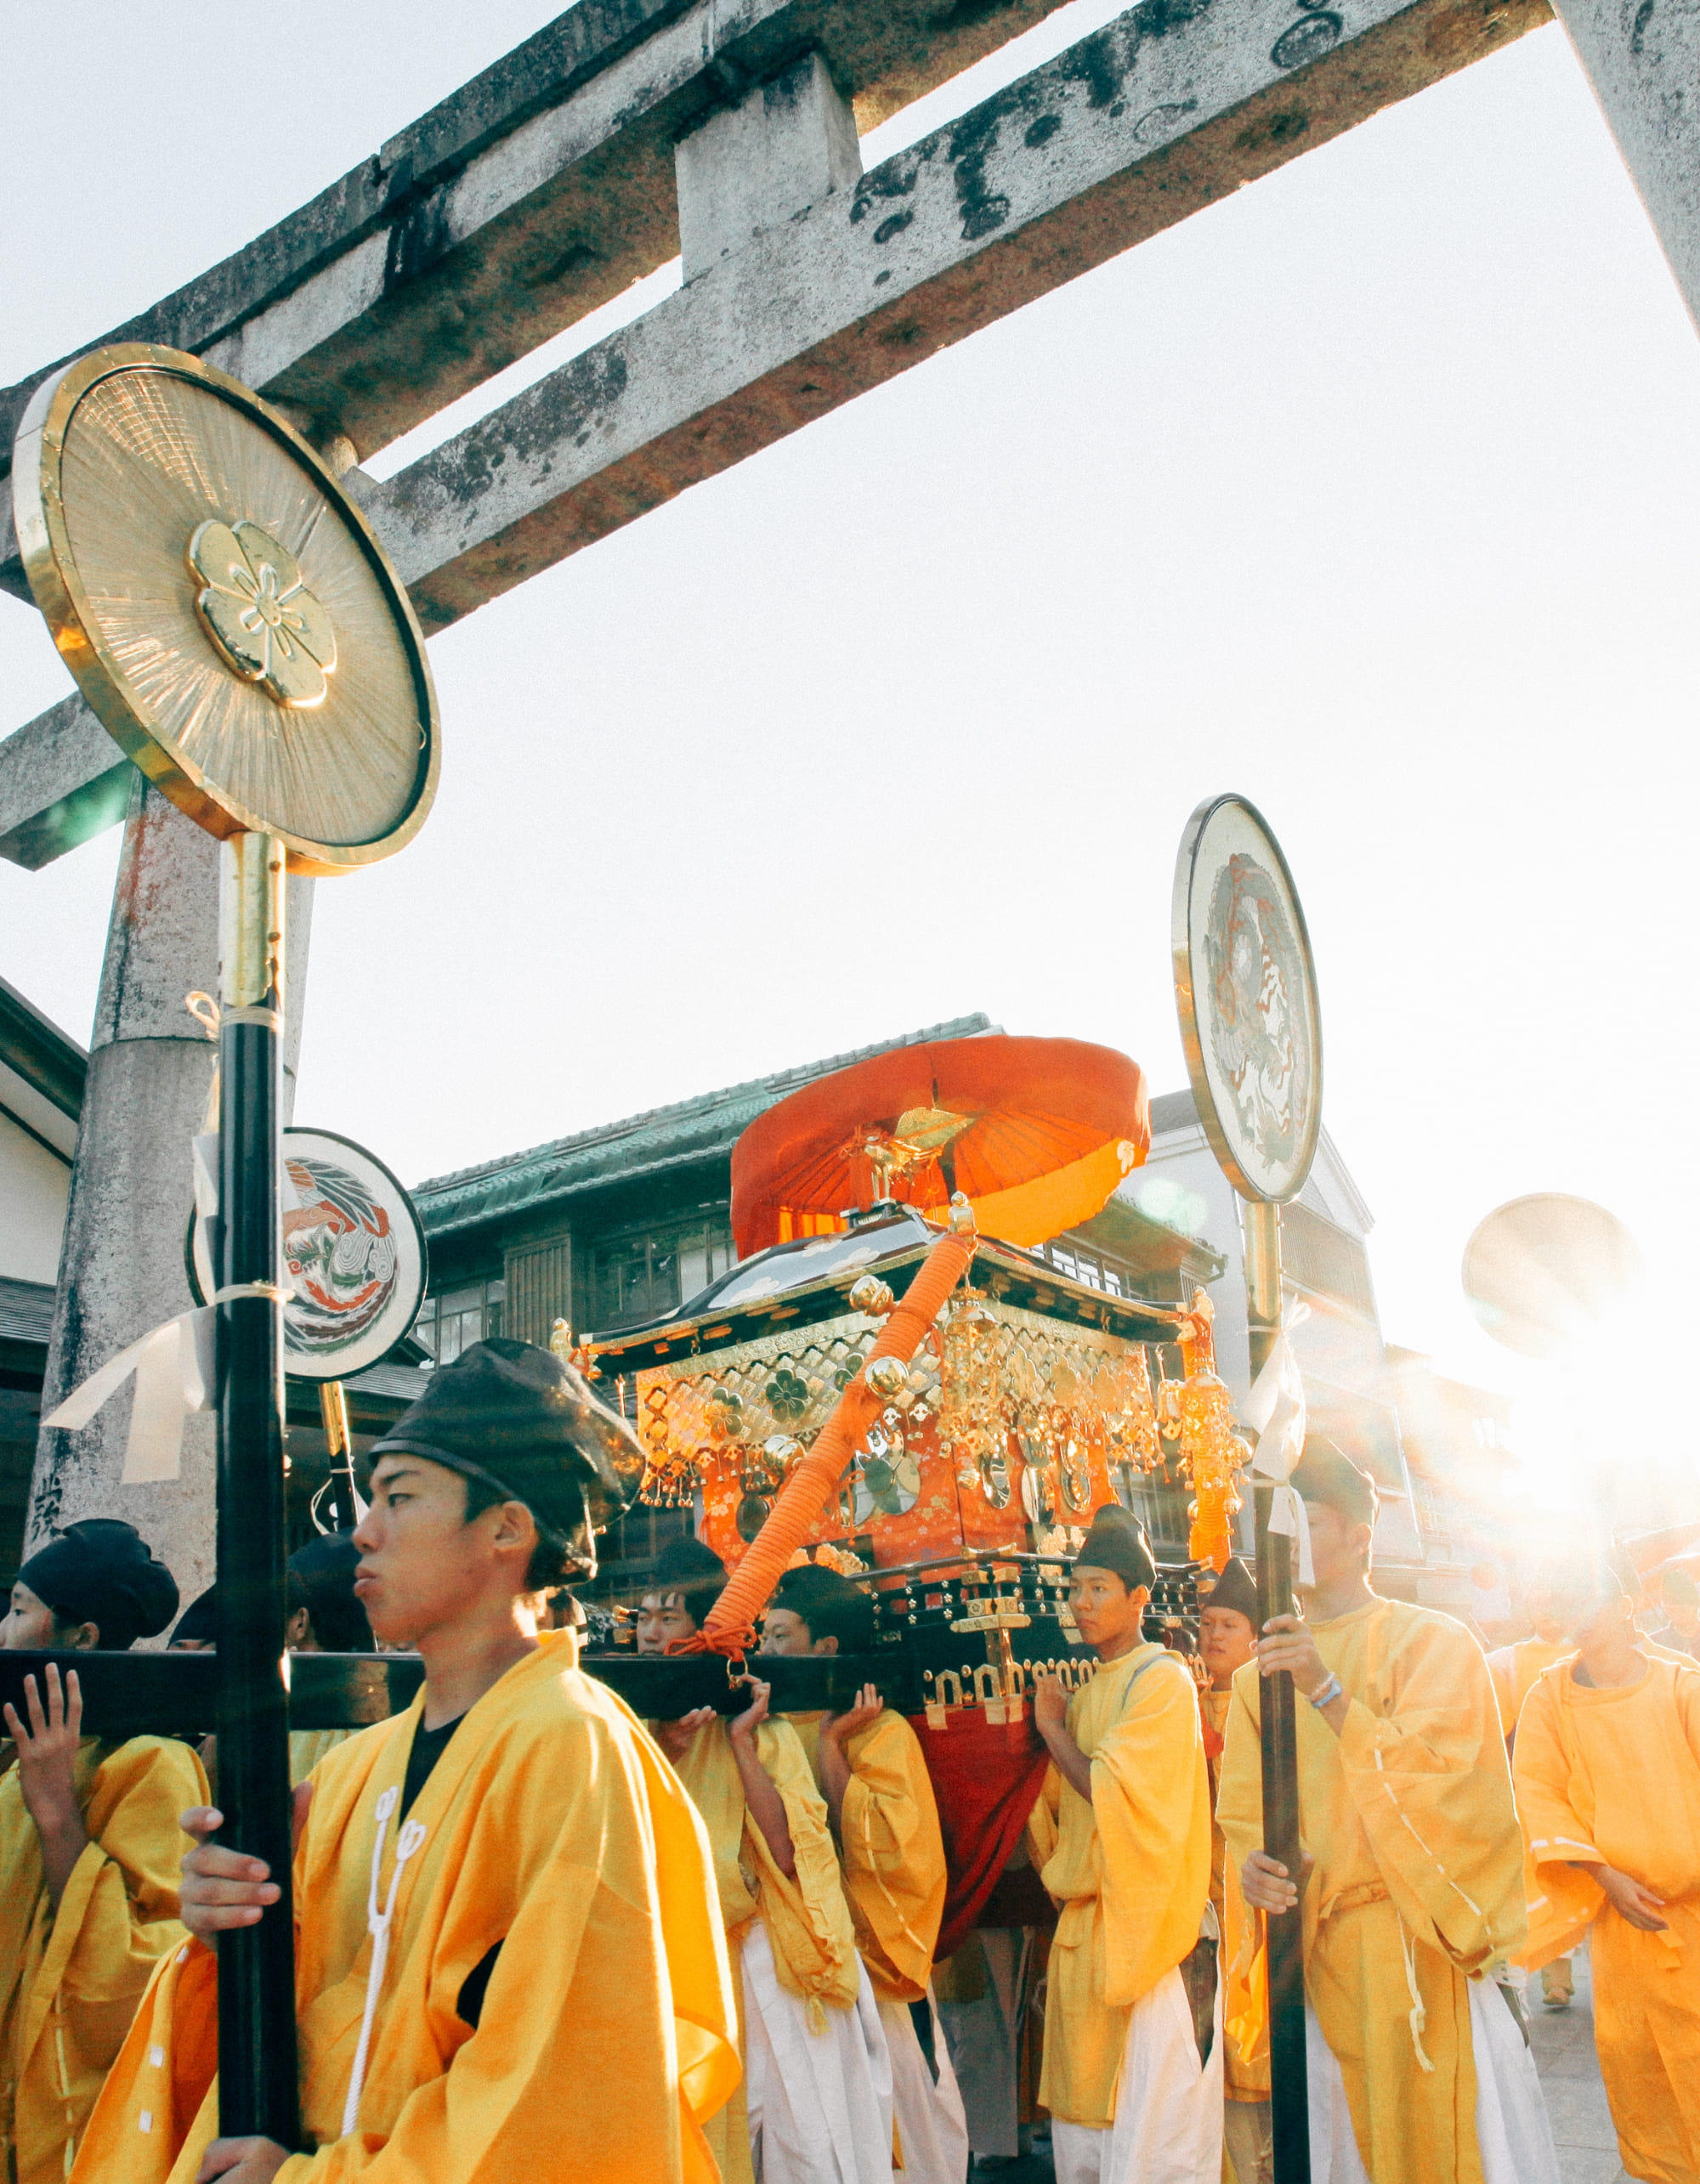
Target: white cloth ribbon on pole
1275	1411
173	1367
173	1363
204	1154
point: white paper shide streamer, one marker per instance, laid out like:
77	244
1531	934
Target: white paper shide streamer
172	1364
1275	1411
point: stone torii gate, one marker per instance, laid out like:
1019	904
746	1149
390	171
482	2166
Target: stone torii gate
625	132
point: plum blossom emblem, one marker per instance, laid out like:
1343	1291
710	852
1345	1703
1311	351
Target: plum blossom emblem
265	624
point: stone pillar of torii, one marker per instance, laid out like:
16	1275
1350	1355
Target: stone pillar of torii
122	1270
625	130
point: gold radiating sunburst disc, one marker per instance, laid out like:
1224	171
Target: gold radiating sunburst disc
225	608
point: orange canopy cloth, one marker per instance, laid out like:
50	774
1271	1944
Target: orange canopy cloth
1036	1133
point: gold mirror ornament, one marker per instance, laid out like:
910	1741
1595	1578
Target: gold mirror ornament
225	608
1246	989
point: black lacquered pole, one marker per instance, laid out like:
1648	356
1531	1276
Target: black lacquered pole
1289	2098
257	2081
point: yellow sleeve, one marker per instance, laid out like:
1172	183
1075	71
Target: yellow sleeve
1044	1823
118	1914
306	1747
1239	1815
698	1970
1430	1783
1151	1806
157	2111
1239	1778
1562	1902
806	1914
893	1856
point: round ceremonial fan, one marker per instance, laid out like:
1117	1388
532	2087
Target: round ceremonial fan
1549	1275
1245	987
225	608
354	1253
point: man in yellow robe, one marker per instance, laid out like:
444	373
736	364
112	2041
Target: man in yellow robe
508	1956
89	1846
1227	1639
1608	1789
1514	1669
1122	1832
867	1765
817	2105
1419	2070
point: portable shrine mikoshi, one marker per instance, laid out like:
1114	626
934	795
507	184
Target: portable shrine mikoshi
933	1410
230	617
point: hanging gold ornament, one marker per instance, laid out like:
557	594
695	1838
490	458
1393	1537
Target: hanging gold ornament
671	1471
970	1420
1210	1450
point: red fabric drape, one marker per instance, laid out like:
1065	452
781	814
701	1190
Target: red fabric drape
986	1777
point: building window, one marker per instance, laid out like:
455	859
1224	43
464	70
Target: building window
1091	1269
1319	1257
452	1323
647	1273
1432	1518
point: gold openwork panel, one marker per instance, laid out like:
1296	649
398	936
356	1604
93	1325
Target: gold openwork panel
1012	1428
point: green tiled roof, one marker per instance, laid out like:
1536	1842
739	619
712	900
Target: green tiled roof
690	1131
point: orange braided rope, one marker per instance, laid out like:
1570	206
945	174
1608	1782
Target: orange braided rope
729	1626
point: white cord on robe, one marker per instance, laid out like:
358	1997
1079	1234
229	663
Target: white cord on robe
378	1926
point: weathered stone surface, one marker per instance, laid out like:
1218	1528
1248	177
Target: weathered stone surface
1172	106
1642	57
536	192
150	1069
781	147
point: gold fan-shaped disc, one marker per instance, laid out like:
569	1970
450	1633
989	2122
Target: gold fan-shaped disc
225	607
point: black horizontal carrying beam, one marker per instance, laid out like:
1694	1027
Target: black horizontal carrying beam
126	1695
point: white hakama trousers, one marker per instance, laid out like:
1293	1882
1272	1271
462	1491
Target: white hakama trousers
1511	2126
933	2132
985	2045
819	2103
1168	2127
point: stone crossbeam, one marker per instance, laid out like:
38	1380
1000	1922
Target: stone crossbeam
1172	106
536	192
62	781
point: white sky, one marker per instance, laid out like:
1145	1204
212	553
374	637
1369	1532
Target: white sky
1374	493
